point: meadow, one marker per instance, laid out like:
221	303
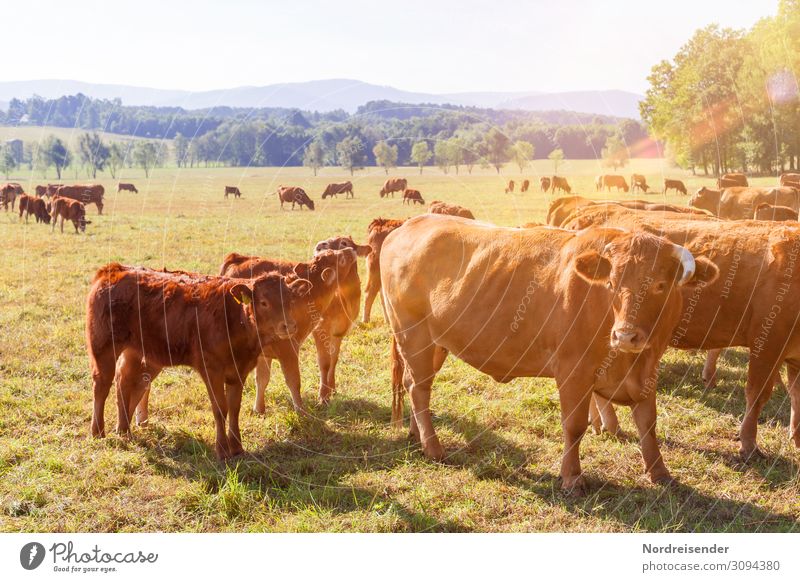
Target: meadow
343	468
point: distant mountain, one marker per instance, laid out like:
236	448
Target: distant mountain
327	95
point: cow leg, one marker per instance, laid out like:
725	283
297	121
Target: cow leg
760	380
143	408
290	365
215	385
793	387
603	416
132	383
373	285
574	421
263	369
644	415
233	392
328	347
710	369
103	365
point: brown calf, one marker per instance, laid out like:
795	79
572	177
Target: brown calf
412	196
68	209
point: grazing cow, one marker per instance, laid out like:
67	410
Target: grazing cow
732	181
674	185
345	188
739	203
755	305
525	185
578	292
141	321
69	209
438	207
128	187
86	193
510	187
766	211
559	183
544	183
392	185
561	209
789	179
33	205
377	231
295	195
233	190
614	181
639	182
9	193
412	196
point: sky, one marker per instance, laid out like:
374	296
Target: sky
438	46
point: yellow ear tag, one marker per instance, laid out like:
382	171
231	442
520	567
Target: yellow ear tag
245	300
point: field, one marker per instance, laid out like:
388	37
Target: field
343	469
68	135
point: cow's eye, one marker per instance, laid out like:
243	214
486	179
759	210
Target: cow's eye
660	287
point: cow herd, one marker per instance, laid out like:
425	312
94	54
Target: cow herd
50	203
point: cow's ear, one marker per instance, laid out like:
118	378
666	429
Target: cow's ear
328	276
779	250
301	287
242	293
363	250
705	273
593	267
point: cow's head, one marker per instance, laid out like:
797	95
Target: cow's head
80	214
645	276
706	199
267	300
310	203
342	242
329	266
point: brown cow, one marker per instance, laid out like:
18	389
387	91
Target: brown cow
789	179
392	185
562	208
674	185
739	203
559	183
639	182
766	211
334	189
86	193
412	196
127	187
141	321
233	190
544	183
732	181
295	195
439	207
33	205
510	187
52	189
754	306
377	231
69	209
41	190
9	193
525	185
436	306
614	181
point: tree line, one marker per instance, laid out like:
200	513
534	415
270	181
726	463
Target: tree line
729	99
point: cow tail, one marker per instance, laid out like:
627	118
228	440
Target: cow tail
398	389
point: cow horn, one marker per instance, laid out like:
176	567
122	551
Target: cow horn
687	262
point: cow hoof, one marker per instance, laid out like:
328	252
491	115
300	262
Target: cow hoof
665	480
753	454
434	450
98	434
574	486
142	420
259	409
710	383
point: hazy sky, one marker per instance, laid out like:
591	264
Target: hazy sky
420	45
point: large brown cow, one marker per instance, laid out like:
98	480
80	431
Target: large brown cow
732	181
525	185
127	187
141	321
69	209
9	193
295	195
544	183
559	183
766	211
439	207
86	193
392	185
411	196
377	231
233	190
789	179
739	203
510	187
334	189
33	205
615	181
535	302
639	182
755	304
674	185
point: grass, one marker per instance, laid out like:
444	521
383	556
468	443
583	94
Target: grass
344	469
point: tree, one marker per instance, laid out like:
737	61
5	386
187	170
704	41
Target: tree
181	148
496	148
615	154
443	154
314	156
93	152
456	151
557	155
522	153
385	155
7	160
116	158
55	153
350	152
420	154
146	155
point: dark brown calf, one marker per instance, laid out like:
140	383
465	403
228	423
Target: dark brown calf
68	209
128	187
412	196
232	190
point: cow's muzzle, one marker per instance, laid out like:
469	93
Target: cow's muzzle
286	329
628	339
